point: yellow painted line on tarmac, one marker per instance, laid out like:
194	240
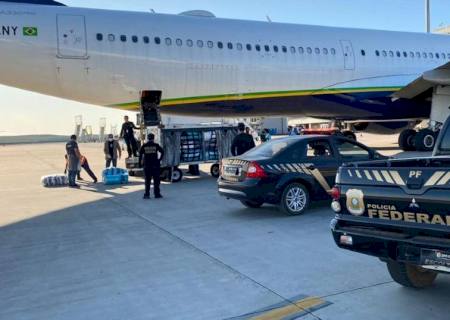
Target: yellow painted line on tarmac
300	306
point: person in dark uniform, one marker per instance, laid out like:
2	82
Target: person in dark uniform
242	142
73	160
148	157
127	133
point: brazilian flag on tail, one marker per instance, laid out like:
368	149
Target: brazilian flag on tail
30	31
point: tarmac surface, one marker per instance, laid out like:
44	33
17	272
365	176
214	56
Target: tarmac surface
103	253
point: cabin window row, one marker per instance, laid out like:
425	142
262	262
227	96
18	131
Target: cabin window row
221	45
410	54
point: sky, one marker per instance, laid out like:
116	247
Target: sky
29	113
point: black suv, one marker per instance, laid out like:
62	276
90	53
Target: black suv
289	171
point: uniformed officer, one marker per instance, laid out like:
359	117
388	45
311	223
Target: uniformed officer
148	157
127	133
242	142
73	160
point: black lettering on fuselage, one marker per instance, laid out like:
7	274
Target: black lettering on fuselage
9	30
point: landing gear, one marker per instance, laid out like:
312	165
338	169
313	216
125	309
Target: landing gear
422	140
406	140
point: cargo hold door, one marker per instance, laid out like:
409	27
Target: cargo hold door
72	38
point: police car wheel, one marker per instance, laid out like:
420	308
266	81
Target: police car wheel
295	199
215	170
252	204
409	275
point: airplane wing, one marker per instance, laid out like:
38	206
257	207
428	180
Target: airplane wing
429	79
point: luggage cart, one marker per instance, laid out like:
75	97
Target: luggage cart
189	145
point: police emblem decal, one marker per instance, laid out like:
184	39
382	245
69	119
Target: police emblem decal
414	204
355	202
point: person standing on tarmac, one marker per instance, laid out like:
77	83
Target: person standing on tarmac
73	160
127	133
242	142
148	157
112	151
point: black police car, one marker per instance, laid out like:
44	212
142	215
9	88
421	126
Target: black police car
289	171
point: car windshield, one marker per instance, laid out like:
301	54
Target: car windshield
271	148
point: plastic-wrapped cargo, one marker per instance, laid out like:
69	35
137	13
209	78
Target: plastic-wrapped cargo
112	176
55	180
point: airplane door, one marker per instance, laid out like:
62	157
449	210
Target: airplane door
72	39
349	57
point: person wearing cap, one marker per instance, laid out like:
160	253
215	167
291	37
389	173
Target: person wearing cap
242	142
151	162
112	151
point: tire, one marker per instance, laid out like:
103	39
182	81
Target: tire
215	170
349	135
295	199
406	140
177	175
425	140
252	204
409	275
165	174
131	173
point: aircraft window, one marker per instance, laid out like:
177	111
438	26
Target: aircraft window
111	37
424	55
275	48
146	39
301	50
411	54
157	40
99	36
210	44
417	54
230	45
168	41
220	45
309	50
398	54
179	42
189	43
448	55
200	43
363	52
134	39
377	53
443	55
267	48
239	46
317	50
384	53
249	47
405	54
391	54
293	50
258	47
430	55
333	51
123	38
284	49
325	51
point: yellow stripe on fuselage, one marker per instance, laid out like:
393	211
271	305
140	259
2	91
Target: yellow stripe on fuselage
259	95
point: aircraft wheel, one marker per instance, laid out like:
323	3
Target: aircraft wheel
425	140
406	140
215	170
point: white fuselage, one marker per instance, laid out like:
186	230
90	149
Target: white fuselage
102	57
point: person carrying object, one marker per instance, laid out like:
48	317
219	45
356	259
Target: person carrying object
83	164
73	160
127	133
112	151
151	162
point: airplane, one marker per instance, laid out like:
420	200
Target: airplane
378	81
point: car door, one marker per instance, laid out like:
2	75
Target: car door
351	151
320	154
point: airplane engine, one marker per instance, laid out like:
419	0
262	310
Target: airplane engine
383	127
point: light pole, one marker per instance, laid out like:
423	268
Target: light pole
427	16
